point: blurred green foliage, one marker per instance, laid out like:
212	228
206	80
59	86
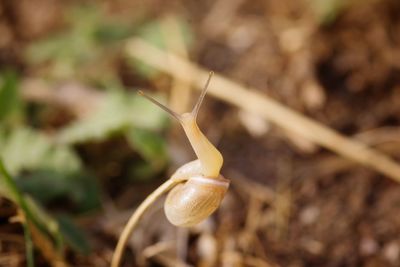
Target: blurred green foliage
83	47
152	33
74	236
328	10
86	49
26	149
9	99
77	189
130	115
44	167
34	216
151	147
118	112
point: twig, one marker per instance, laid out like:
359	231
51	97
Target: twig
133	221
173	36
253	188
158	248
250	100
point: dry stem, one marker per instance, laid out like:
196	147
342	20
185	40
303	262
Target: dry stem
180	89
250	100
134	219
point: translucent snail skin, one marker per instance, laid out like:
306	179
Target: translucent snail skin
197	187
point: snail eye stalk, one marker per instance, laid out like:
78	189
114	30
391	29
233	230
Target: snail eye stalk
165	108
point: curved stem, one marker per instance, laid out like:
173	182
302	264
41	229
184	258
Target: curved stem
134	219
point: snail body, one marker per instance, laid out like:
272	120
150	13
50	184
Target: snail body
189	203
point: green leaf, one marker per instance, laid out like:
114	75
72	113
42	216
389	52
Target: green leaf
151	147
119	111
74	236
113	31
69	51
43	186
85	49
27	149
79	189
8	93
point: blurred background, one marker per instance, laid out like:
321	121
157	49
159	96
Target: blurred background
81	150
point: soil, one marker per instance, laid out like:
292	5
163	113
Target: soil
291	203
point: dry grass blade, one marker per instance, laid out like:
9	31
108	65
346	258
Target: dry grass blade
250	100
180	91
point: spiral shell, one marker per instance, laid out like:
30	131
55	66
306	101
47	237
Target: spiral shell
190	203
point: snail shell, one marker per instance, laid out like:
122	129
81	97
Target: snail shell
190	203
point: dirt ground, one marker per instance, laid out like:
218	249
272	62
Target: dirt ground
291	203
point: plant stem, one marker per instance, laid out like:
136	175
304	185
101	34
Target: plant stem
30	262
134	219
16	196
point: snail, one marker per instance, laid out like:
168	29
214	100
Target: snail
196	189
